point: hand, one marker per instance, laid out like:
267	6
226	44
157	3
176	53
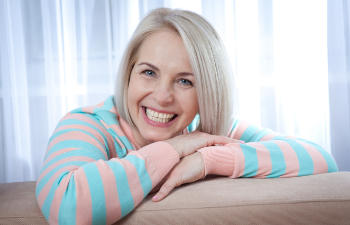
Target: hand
190	169
186	144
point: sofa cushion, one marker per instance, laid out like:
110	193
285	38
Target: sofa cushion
18	204
317	199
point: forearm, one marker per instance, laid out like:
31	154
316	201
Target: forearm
82	190
274	158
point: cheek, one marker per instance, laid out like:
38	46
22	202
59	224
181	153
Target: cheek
190	106
132	94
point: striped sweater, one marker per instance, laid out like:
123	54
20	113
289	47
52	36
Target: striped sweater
93	172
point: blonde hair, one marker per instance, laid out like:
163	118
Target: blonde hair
208	60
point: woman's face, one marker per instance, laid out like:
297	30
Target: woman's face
162	98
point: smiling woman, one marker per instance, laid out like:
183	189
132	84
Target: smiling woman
103	160
162	98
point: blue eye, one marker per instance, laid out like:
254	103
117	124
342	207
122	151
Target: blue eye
148	73
185	82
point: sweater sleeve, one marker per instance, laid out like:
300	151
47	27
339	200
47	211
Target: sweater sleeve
80	183
266	154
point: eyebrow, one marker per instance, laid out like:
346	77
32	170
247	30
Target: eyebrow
157	69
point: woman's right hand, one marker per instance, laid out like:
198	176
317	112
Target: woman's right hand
187	144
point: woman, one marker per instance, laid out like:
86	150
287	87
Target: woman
102	161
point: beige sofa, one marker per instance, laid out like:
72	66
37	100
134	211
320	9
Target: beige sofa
317	199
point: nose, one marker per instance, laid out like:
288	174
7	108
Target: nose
163	93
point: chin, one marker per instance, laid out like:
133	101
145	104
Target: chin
158	137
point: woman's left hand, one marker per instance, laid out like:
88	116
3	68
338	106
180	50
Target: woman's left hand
189	169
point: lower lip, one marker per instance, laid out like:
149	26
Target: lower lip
154	123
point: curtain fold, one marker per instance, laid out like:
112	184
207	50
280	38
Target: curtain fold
339	79
61	54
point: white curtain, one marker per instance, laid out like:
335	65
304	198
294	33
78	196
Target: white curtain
61	54
339	79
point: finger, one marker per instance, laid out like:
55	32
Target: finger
222	140
166	188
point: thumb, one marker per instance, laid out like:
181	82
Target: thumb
222	140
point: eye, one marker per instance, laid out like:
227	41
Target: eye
149	73
185	82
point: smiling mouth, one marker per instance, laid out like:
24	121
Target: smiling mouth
157	116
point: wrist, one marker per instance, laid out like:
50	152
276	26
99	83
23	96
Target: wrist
172	142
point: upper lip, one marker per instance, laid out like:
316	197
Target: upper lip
159	111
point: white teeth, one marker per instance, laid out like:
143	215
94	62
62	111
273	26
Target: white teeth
158	117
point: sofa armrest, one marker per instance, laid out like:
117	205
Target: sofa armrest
316	199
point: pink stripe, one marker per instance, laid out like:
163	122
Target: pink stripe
264	159
109	137
219	160
239	160
231	131
117	129
45	191
268	136
92	131
69	159
290	158
113	209
90	109
113	110
133	180
109	127
320	164
56	202
128	133
160	157
82	127
240	128
116	139
59	152
84	205
77	135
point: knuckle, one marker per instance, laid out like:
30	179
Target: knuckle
166	187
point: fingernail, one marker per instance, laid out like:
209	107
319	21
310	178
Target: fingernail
155	198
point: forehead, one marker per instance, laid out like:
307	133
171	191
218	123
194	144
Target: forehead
164	47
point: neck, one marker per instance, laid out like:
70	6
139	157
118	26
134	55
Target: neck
138	139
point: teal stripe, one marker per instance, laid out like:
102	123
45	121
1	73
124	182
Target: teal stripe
250	160
67	211
194	124
108	104
47	177
77	110
125	198
90	148
79	122
108	117
233	126
306	165
277	159
260	134
121	150
126	142
61	132
78	152
248	134
332	165
144	177
48	201
98	201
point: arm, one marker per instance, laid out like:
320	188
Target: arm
266	154
82	182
